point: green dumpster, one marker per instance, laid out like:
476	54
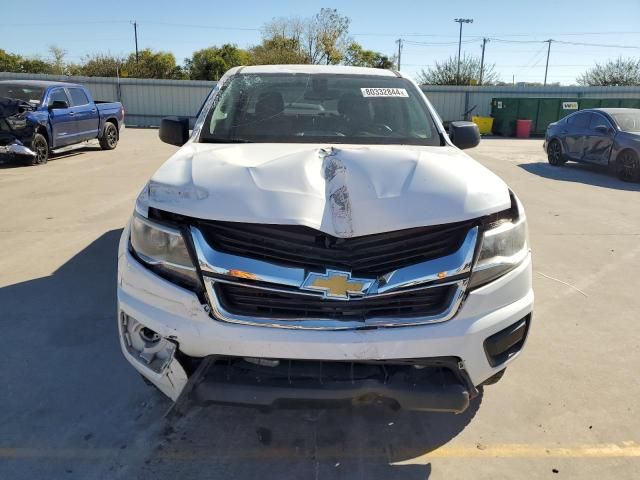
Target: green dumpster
610	103
589	103
545	110
528	110
630	102
567	107
505	113
547	113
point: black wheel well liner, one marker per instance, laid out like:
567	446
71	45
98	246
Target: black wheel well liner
42	130
113	120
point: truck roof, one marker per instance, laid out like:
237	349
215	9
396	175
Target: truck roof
316	69
41	83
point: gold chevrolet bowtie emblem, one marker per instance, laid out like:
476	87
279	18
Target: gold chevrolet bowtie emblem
335	284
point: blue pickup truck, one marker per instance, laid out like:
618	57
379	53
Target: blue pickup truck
39	118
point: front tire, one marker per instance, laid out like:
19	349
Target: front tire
110	137
554	154
40	147
628	166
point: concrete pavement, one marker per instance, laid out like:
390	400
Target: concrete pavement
71	407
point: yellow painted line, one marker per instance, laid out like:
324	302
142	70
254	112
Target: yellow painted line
628	449
510	450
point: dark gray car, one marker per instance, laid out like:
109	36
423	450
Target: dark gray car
603	136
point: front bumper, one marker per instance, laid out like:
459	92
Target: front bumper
435	384
177	315
16	149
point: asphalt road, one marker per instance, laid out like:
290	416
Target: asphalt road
72	408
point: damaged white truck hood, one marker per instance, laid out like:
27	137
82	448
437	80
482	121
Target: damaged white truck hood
342	190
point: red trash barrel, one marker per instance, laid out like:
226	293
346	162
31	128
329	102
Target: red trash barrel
523	128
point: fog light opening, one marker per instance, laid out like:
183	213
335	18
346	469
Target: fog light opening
503	345
145	345
149	337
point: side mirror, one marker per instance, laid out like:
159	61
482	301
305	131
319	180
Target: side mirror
602	129
58	105
464	134
174	130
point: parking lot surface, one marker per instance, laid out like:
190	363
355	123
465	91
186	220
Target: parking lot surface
72	408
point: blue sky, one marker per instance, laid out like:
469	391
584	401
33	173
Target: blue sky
82	27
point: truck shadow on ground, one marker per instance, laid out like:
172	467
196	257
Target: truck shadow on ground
64	348
361	442
7	162
595	175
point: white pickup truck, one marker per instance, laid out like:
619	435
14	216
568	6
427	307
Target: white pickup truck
320	237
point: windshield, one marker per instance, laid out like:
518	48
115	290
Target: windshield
628	121
21	92
297	108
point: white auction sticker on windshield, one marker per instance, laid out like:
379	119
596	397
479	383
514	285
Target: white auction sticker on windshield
384	92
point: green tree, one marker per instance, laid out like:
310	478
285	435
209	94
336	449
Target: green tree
327	36
446	73
9	62
58	60
100	65
36	65
619	72
152	64
278	50
211	63
321	39
357	56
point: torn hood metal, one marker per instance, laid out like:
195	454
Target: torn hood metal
12	106
342	190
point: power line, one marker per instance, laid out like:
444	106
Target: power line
472	40
511	65
540	34
502	40
583	44
212	27
595	44
533	61
57	24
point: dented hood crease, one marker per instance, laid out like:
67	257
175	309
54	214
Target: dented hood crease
342	190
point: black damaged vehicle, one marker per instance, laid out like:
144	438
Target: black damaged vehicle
602	136
39	118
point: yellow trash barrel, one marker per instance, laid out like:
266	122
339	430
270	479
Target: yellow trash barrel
485	124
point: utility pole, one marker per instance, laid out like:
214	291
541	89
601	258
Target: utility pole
460	21
399	41
135	33
546	69
484	44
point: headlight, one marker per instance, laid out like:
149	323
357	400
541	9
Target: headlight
503	248
164	250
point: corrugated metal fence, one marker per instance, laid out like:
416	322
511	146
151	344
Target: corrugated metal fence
452	103
147	101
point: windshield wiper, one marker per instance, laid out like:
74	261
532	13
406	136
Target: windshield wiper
225	140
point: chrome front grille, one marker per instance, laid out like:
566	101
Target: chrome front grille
253	291
259	302
305	247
